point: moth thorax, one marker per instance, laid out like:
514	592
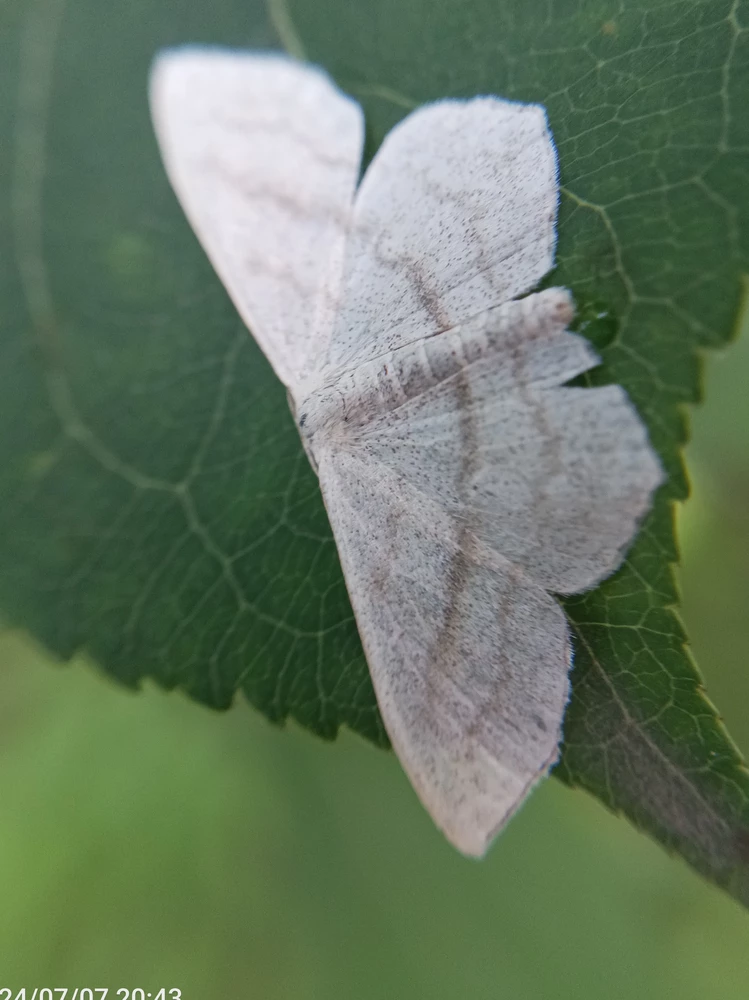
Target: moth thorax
318	415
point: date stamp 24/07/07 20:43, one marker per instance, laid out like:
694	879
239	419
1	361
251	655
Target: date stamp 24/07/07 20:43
88	993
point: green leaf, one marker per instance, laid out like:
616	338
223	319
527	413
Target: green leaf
156	507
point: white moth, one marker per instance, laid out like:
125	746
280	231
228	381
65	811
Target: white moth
464	482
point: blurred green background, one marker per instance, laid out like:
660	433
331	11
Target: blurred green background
145	841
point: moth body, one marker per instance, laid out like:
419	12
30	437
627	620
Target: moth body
352	398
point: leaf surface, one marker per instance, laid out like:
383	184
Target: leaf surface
156	506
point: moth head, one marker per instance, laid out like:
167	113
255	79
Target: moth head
300	419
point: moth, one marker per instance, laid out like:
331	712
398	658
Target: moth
465	481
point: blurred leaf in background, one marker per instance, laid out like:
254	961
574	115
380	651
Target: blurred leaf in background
156	507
